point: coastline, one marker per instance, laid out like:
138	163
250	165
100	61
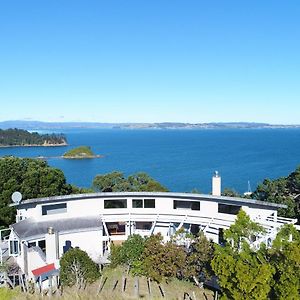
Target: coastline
71	157
34	145
82	157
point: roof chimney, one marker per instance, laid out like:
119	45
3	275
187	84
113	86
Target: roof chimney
216	184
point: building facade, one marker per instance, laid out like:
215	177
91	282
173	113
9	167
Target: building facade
46	228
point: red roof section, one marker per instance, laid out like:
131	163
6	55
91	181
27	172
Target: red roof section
42	270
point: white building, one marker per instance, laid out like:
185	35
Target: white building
45	228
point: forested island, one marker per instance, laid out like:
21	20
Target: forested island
14	137
80	153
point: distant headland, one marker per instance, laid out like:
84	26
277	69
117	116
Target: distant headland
39	125
14	137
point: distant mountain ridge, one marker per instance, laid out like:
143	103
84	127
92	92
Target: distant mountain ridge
40	125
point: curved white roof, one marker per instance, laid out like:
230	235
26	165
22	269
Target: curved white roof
186	196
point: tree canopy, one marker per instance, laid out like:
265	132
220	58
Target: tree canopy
77	268
33	178
20	137
285	190
117	182
266	273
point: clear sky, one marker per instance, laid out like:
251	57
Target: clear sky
150	61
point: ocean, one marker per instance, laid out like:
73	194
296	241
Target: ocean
181	160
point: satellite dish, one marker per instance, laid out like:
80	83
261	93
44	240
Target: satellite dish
16	197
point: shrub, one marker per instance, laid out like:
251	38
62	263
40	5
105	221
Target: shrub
77	268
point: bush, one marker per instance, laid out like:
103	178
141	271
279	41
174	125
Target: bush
77	268
129	253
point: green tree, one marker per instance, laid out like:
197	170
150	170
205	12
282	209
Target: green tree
162	261
77	268
142	182
284	190
117	182
33	178
199	255
129	253
243	228
20	137
243	273
285	257
230	193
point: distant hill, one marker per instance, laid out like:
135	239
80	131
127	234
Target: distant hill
38	125
19	137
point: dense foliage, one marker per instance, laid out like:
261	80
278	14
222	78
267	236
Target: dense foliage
77	268
247	273
33	178
129	253
161	261
19	137
117	182
79	152
242	272
285	190
285	257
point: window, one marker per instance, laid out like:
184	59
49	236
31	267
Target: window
115	203
191	205
31	244
228	209
137	203
116	228
143	225
54	209
13	247
42	245
143	203
149	203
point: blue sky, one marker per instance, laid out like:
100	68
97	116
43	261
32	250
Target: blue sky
150	61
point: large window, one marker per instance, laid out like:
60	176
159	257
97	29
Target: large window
115	203
54	209
143	203
191	205
228	209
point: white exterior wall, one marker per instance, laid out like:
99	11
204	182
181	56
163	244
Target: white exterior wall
89	241
208	207
163	205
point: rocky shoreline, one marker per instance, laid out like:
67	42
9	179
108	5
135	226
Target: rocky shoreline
35	145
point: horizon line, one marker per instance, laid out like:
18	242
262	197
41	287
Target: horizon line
157	122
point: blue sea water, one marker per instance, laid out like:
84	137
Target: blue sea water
179	159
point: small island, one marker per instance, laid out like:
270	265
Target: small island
81	152
14	137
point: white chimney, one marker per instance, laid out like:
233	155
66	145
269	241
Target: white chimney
216	184
51	238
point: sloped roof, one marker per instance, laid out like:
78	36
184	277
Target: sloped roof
32	228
